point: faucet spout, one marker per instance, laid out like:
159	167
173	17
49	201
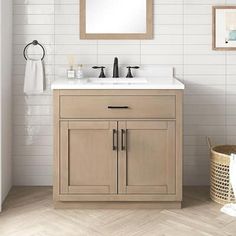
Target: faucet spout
115	68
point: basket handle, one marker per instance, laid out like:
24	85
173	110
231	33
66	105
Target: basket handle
209	142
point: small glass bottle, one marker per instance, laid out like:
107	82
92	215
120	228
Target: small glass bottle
80	74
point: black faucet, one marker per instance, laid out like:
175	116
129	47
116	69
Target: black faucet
115	68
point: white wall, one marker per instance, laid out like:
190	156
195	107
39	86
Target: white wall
182	39
6	94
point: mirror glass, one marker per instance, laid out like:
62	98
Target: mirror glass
115	16
116	19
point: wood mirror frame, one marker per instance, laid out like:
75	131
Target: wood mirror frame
125	36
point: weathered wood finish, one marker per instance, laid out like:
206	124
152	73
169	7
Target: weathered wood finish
139	107
149	170
118	205
147	165
88	161
56	143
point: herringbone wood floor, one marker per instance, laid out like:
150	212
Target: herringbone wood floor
29	212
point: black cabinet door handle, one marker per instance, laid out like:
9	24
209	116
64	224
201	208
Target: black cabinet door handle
123	140
118	107
114	141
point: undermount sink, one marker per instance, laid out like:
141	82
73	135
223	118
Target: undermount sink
118	80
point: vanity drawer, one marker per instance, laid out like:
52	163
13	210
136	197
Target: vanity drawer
117	107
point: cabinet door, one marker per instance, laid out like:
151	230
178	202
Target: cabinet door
88	157
147	161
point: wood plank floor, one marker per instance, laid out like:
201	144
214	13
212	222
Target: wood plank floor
29	212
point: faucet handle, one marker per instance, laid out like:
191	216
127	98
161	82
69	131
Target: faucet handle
129	75
102	74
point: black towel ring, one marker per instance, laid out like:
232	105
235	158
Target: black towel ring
35	42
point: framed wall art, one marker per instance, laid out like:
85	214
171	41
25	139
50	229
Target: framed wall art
224	28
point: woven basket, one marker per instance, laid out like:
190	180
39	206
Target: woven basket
221	190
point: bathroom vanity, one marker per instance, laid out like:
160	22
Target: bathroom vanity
118	145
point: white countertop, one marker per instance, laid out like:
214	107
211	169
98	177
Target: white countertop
163	83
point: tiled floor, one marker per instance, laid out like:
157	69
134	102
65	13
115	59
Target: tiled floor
29	211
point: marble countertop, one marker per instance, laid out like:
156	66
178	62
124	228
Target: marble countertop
153	83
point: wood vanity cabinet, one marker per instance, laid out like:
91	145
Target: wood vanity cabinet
146	163
118	148
88	161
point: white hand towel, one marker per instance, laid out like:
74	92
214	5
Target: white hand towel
34	77
230	209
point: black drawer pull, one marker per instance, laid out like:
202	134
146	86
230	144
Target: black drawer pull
118	107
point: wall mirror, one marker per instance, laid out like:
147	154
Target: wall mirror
116	19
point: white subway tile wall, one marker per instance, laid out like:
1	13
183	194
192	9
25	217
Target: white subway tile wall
182	40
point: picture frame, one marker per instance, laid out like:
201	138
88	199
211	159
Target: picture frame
224	28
